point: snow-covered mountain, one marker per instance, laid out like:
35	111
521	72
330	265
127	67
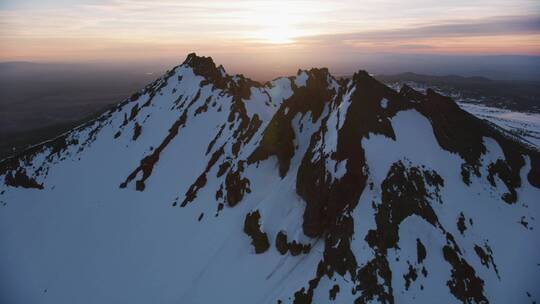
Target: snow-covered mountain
206	187
523	124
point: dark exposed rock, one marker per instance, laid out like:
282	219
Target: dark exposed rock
334	291
486	257
314	187
135	96
420	251
404	192
281	243
244	135
147	163
368	281
279	135
328	202
219	193
191	194
461	223
223	168
524	222
456	130
20	179
136	131
534	174
464	284
301	297
295	248
304	296
220	207
213	141
244	128
205	66
204	107
277	140
134	112
412	94
410	277
125	122
252	228
501	169
466	173
236	185
424	271
459	132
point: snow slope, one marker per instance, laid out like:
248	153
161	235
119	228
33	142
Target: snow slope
522	124
207	187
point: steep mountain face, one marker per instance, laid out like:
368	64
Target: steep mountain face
207	187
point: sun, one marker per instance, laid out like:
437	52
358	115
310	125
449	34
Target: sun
277	34
278	23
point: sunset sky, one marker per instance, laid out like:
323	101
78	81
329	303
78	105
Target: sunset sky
75	30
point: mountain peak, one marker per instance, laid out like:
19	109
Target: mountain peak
204	66
193	59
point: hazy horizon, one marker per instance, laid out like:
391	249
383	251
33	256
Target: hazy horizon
496	67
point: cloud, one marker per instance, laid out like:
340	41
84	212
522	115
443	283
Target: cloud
415	46
494	26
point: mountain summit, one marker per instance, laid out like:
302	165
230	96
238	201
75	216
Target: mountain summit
205	187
